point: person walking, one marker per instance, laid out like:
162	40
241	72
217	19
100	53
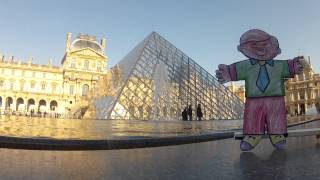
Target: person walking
190	112
199	112
185	114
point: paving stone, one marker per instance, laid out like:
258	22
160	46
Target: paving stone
210	160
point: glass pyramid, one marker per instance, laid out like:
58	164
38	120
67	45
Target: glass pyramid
156	81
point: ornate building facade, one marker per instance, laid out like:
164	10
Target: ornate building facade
302	91
238	90
28	88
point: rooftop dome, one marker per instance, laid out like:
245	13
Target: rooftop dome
86	41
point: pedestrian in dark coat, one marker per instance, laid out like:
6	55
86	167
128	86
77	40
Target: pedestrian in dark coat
199	112
185	114
190	112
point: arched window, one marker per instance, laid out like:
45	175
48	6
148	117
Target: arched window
42	105
20	104
85	90
9	102
53	105
30	105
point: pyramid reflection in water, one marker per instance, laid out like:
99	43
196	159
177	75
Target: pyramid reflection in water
157	81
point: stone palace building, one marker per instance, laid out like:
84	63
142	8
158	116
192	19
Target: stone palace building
34	89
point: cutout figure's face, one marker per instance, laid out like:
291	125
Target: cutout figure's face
260	50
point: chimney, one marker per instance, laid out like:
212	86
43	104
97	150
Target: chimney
103	43
68	43
50	62
30	60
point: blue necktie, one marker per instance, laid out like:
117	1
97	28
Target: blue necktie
263	78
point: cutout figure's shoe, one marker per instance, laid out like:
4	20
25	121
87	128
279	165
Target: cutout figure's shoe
278	141
249	142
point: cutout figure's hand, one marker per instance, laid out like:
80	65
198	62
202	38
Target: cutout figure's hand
222	74
299	64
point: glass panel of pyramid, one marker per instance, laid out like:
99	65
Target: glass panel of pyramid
156	81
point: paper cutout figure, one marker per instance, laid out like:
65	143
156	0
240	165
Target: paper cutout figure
264	85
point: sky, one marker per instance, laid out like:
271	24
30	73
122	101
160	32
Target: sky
208	31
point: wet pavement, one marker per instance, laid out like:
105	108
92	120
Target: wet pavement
220	159
19	126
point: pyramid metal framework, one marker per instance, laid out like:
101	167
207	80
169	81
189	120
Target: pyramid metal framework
157	81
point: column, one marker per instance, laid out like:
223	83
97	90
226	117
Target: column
36	106
3	103
25	101
306	95
292	108
14	103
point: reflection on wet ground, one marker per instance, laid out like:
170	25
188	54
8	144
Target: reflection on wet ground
210	160
19	126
